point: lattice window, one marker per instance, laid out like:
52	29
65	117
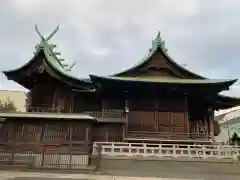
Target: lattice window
18	132
56	132
25	132
114	136
30	132
3	132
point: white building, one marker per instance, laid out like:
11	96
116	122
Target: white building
230	123
19	98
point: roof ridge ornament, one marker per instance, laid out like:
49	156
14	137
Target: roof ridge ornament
158	42
38	32
50	48
50	35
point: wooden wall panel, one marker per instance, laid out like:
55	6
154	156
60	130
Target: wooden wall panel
26	131
56	132
49	132
42	96
91	104
115	132
108	132
113	103
163	118
141	104
178	118
79	131
141	121
156	66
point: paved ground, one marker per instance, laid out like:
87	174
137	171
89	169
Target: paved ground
50	176
141	170
4	175
171	169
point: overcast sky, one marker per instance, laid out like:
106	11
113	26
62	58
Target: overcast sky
106	36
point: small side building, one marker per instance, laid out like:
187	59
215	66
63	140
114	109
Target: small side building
229	125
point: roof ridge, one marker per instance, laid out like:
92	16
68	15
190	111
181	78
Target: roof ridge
49	48
165	79
51	57
158	43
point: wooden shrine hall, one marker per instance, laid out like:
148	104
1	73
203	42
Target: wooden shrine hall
157	100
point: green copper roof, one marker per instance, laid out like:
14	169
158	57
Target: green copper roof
154	79
69	116
158	44
51	57
58	116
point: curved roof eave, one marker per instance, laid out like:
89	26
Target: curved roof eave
53	62
24	65
226	102
145	60
227	82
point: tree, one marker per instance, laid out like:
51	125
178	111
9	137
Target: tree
7	106
235	139
217	128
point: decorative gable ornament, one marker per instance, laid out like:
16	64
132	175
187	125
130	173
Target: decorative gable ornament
50	48
158	42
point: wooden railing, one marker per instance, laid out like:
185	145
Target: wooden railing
167	136
137	150
107	113
45	109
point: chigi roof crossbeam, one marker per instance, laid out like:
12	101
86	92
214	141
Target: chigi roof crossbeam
44	43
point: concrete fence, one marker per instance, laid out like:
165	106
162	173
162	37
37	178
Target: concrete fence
168	150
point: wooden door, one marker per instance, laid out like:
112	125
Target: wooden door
141	121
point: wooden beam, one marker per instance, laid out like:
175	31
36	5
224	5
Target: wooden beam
126	111
155	115
186	113
87	134
103	107
211	119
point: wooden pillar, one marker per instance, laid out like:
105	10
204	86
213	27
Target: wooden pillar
54	100
106	138
211	124
39	134
103	106
126	124
87	134
156	116
186	113
11	133
72	102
